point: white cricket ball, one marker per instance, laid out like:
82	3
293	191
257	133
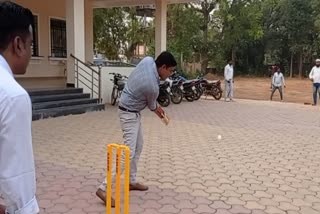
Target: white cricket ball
219	137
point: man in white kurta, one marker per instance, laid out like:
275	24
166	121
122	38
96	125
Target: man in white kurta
228	81
17	170
315	78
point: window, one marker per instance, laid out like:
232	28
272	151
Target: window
35	44
58	38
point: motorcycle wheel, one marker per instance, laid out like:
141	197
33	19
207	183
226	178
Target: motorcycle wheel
216	93
164	100
176	96
198	94
190	98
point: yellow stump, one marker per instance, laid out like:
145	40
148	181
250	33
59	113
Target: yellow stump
119	149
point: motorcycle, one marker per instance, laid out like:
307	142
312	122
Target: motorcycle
188	87
164	94
199	89
176	93
212	88
189	90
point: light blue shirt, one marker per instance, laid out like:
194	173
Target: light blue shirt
142	87
17	170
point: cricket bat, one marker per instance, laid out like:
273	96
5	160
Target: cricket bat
165	119
163	116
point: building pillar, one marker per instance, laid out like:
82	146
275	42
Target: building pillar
161	26
75	35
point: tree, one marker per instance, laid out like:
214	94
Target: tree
275	38
241	24
183	32
315	4
109	31
118	31
300	27
254	33
205	9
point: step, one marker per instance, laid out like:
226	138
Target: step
61	103
53	91
66	110
57	97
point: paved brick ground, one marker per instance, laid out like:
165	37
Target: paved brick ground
266	162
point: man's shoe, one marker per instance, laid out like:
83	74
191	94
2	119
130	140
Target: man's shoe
102	195
138	187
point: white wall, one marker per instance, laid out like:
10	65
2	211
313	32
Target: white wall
107	84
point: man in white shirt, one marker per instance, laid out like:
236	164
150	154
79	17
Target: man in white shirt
315	77
228	81
17	170
277	83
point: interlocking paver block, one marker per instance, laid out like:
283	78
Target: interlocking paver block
222	211
151	204
185	204
266	162
288	206
202	208
308	210
268	202
220	205
274	210
236	209
254	205
168	209
169	200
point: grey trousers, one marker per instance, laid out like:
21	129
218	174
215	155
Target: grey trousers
228	89
132	134
274	89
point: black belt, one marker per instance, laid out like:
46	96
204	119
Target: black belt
127	110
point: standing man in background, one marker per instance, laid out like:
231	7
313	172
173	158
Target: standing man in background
277	83
17	170
141	90
315	78
274	69
228	81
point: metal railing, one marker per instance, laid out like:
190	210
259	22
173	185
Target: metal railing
88	77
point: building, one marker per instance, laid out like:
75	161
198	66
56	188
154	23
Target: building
64	28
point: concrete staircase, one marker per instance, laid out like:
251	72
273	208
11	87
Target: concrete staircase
61	102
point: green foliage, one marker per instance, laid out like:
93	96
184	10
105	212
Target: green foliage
119	30
109	31
182	31
254	33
